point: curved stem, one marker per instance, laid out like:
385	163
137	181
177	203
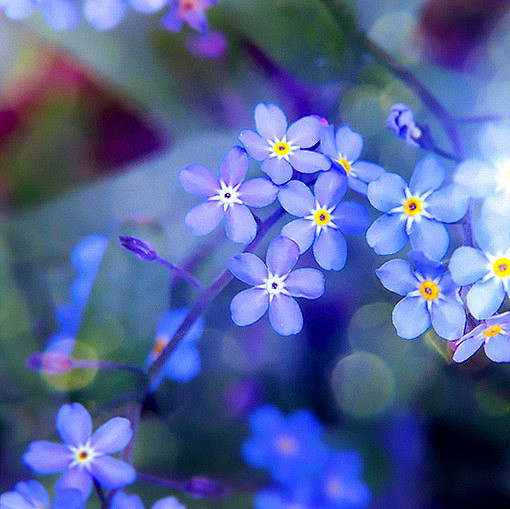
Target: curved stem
180	272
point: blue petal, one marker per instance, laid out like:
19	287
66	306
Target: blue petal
349	143
448	318
112	473
248	306
112	436
33	491
307	283
328	145
18	9
430	269
204	218
387	192
296	198
249	268
397	276
61	14
469	346
301	231
234	166
47	457
76	478
168	503
497	348
387	234
449	204
240	225
476	177
171	21
430	237
104	14
14	500
270	121
258	192
74	424
305	132
256	146
411	317
147	6
199	180
330	249
428	175
485	298
352	218
278	170
308	161
123	501
468	265
330	188
184	364
86	256
68	499
366	171
282	255
285	315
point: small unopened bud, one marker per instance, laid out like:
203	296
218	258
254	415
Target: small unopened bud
202	487
139	247
51	363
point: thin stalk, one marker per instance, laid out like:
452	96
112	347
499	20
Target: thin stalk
180	273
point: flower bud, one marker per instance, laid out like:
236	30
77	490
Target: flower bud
202	487
139	247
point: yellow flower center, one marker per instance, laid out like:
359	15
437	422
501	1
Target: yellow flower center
492	331
502	267
344	164
322	217
412	207
159	344
429	290
281	148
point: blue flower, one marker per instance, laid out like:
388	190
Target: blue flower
191	12
184	363
344	150
33	495
83	456
274	287
281	149
416	212
123	501
488	269
430	295
227	197
493	333
290	448
324	219
401	122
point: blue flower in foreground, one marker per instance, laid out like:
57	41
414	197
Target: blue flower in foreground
33	495
416	212
493	333
401	122
324	219
60	14
291	448
83	456
488	269
184	363
227	197
344	150
430	295
274	287
123	501
281	149
191	12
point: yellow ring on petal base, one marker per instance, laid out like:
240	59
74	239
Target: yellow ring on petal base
502	267
429	290
344	164
322	217
281	148
492	331
412	207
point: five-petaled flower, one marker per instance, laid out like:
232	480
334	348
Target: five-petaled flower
84	457
430	295
281	149
275	285
416	212
324	219
227	196
191	12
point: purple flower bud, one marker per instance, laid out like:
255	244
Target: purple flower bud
202	487
51	363
139	247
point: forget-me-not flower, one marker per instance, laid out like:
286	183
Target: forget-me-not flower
323	218
33	495
416	212
344	149
274	287
83	456
430	295
123	501
282	149
493	333
191	12
228	196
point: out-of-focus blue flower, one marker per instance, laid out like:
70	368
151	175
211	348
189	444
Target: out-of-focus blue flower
184	363
228	196
430	295
344	150
210	45
281	149
416	212
493	333
60	14
488	269
83	456
191	12
291	448
401	122
324	219
274	287
123	501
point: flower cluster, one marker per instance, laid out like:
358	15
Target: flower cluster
306	471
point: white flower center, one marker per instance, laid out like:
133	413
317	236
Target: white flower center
227	195
274	285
